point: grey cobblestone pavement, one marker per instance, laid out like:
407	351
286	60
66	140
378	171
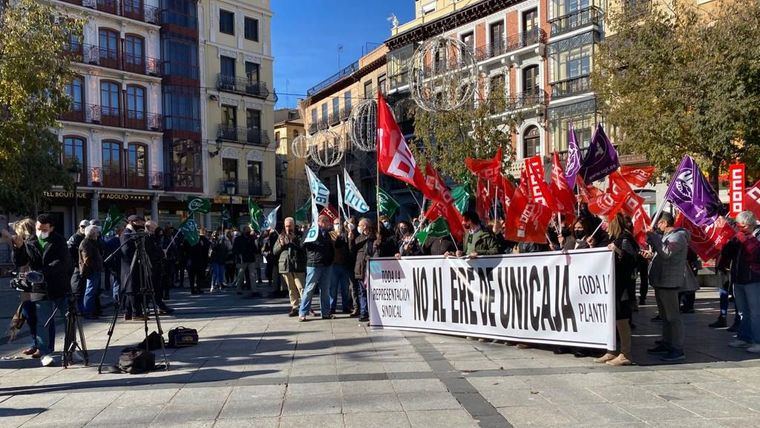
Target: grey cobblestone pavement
255	366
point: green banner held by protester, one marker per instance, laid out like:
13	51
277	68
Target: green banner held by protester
198	205
302	214
256	213
461	195
189	230
113	218
386	205
436	229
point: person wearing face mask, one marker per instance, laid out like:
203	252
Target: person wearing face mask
91	268
408	245
362	246
477	240
291	259
319	258
46	252
744	252
339	278
581	230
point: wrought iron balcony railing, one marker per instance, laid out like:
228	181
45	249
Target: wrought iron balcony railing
253	188
113	116
570	87
254	136
109	58
242	86
577	19
523	100
334	118
132	9
131	178
513	42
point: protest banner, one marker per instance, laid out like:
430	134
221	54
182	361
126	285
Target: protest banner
563	298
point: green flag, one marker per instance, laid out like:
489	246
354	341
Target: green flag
189	230
256	213
113	218
461	195
301	215
437	229
386	205
198	205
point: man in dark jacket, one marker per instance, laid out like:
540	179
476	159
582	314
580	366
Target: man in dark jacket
291	259
197	262
319	258
131	287
46	253
477	240
245	250
90	268
339	277
78	282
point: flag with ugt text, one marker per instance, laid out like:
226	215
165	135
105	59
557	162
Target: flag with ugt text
527	218
313	232
563	194
690	192
393	155
601	158
707	241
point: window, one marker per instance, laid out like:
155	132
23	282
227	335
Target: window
295	133
252	29
347	101
181	108
254	178
185	155
180	57
134	53
497	93
324	112
108	52
530	80
133	8
335	107
277	137
381	83
566	7
253	118
74	151
572	58
135	102
109	100
229	116
75	91
496	33
531	142
584	124
227	66
137	166
368	90
314	116
111	152
469	40
226	22
230	171
252	72
530	27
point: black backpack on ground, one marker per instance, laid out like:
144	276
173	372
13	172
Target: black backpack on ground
135	360
180	337
152	342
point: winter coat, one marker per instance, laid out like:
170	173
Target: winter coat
438	246
245	249
669	265
54	261
364	247
480	242
744	255
320	252
90	258
291	257
218	251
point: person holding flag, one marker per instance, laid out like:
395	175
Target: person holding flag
319	258
477	240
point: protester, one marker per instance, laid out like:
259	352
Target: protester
245	251
339	277
46	253
91	269
744	252
438	246
169	246
366	244
77	281
667	273
25	229
626	250
229	263
319	257
408	245
197	262
291	259
112	261
477	241
156	257
218	258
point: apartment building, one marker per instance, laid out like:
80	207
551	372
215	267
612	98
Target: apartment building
292	187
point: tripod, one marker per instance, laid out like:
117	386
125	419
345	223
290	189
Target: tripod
139	269
73	326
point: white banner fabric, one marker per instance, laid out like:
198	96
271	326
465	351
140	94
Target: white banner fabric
563	298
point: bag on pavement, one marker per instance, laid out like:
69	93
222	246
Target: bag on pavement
180	337
153	341
135	360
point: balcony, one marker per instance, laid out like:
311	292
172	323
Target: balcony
570	87
254	136
577	19
512	43
334	118
521	101
255	188
130	179
345	113
242	86
322	124
312	128
132	9
113	116
92	54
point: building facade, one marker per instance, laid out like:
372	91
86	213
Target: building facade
237	104
292	187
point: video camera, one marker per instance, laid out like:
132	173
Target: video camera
29	282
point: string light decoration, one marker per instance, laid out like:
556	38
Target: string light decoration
443	75
300	147
327	148
363	125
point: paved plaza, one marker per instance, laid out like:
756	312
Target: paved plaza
257	367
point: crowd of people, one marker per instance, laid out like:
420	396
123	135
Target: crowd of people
334	264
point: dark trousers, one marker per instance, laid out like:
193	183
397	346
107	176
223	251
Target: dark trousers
181	274
672	324
171	276
644	277
687	299
196	277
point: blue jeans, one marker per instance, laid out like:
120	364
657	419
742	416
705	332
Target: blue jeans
339	282
46	335
217	273
748	304
316	276
29	311
91	293
362	293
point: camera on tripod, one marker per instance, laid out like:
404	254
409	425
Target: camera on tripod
29	282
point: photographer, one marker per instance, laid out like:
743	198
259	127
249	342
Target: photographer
25	312
130	277
156	257
47	253
90	269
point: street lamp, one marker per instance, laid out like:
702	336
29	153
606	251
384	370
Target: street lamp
75	172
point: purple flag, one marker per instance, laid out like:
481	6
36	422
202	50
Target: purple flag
573	164
690	192
601	158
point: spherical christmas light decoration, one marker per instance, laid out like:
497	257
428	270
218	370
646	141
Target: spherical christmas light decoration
327	148
443	74
363	125
301	147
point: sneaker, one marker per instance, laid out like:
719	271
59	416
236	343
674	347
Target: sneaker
659	349
364	319
738	343
720	323
755	349
47	361
29	351
673	356
735	326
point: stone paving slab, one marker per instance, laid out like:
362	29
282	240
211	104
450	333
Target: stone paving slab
257	367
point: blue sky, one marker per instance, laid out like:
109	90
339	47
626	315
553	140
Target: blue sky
306	35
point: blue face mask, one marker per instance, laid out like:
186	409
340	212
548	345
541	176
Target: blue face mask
387	225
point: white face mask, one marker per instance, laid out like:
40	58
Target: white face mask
42	235
361	229
336	227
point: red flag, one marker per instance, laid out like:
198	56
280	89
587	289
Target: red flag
538	190
561	191
610	202
330	211
527	219
484	200
637	176
752	199
393	155
707	241
633	206
488	169
586	193
436	190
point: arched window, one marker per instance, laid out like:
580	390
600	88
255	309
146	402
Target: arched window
108	52
109	103
135	107
75	150
137	166
531	142
111	151
134	54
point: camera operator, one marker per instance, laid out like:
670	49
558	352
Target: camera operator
130	278
78	282
47	253
90	268
156	256
23	229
